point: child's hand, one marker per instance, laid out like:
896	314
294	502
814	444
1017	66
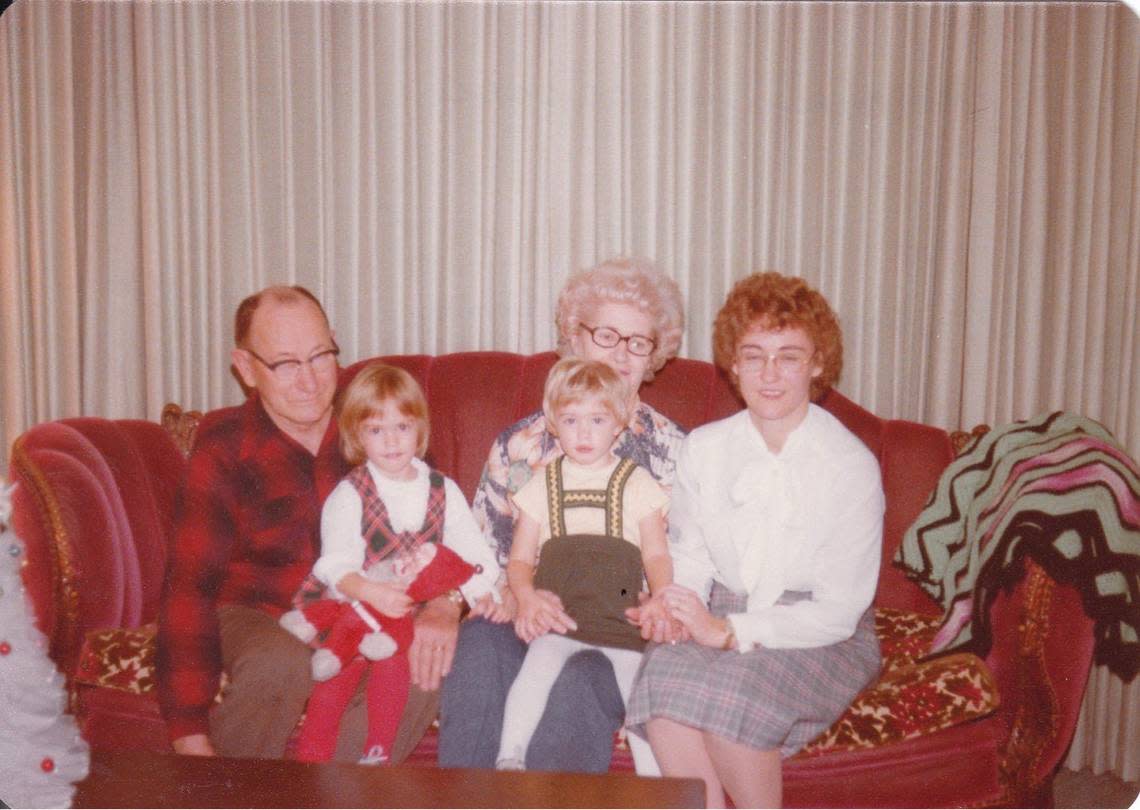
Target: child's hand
541	612
527	618
386	599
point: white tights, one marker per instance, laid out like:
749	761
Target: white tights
527	698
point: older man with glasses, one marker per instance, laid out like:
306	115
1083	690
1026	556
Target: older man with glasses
247	531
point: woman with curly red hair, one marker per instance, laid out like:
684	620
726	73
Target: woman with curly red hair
775	530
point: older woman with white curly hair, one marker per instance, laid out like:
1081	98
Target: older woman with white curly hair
629	315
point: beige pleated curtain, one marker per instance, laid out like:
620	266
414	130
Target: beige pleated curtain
960	179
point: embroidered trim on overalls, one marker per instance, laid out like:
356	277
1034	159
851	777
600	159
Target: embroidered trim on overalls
609	499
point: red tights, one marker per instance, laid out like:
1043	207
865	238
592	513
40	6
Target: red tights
387	693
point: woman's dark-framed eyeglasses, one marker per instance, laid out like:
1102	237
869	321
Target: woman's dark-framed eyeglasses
287	370
607	338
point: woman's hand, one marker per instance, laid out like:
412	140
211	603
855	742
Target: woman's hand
691	611
386	599
497	612
541	612
657	624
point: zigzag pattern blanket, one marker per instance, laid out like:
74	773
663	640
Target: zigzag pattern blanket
1057	488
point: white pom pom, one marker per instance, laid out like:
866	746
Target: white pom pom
375	646
295	622
324	665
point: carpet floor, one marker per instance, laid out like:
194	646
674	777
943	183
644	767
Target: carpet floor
1081	789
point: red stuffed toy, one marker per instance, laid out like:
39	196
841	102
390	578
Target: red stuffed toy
342	630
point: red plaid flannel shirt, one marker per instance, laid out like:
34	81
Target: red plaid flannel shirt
247	531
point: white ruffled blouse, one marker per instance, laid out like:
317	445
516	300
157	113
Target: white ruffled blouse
809	518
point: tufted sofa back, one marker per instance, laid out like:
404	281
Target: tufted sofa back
472	396
95	497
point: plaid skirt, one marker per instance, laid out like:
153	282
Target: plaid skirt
765	699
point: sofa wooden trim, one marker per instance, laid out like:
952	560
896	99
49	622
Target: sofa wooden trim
1031	732
181	425
64	595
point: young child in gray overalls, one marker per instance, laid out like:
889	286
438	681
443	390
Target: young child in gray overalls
591	530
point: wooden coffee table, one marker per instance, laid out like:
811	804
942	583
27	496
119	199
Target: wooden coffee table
144	779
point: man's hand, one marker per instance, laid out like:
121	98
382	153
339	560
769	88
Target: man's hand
433	646
194	745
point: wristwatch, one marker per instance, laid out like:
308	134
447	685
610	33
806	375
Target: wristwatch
455	596
730	639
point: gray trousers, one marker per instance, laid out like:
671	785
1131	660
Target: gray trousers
575	732
270	682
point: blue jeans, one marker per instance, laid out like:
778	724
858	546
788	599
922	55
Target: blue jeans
576	730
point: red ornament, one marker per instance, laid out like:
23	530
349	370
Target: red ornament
5	648
47	765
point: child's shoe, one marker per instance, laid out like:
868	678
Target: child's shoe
510	764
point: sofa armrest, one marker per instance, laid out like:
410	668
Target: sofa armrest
1041	656
1041	642
94	505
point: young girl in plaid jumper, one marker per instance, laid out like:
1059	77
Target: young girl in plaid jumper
374	525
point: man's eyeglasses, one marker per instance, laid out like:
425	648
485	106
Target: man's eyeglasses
287	370
607	338
751	361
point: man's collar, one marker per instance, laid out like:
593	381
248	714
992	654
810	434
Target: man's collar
257	427
259	430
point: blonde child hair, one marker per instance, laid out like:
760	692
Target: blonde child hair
369	389
572	379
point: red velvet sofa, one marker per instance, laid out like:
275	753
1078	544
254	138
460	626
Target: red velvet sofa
94	507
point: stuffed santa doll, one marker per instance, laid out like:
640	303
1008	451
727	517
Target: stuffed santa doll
342	630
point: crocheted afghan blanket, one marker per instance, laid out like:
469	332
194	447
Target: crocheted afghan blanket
1057	488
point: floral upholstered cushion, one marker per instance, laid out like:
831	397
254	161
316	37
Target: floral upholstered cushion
123	658
912	701
118	658
911	697
904	636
